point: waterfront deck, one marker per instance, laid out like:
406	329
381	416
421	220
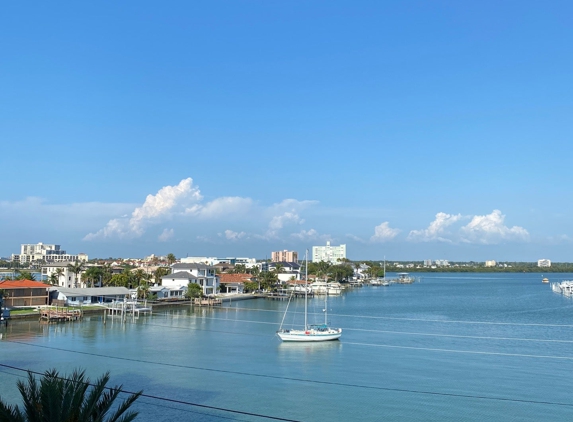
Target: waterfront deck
60	315
207	302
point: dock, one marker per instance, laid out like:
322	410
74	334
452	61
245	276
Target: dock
60	315
204	301
125	308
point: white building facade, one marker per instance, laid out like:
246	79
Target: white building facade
545	263
328	253
45	252
183	274
66	277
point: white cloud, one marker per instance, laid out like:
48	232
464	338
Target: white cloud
168	201
227	205
490	229
311	234
482	229
283	214
436	230
384	233
232	235
166	235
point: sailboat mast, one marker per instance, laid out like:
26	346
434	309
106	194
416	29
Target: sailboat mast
306	291
326	300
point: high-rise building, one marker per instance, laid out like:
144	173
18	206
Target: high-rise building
328	253
491	263
42	252
284	256
544	263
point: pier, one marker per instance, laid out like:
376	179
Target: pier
60	315
125	308
203	301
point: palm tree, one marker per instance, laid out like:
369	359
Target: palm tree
160	272
76	267
53	279
59	273
60	399
171	259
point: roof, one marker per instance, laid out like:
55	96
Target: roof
179	274
20	284
58	264
234	278
91	291
294	265
190	266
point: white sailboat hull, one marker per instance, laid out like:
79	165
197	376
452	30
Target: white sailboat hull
310	335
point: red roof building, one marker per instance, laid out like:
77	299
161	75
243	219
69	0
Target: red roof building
24	293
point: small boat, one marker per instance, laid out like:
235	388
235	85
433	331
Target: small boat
545	280
310	333
404	278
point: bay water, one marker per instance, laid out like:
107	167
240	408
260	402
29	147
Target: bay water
453	347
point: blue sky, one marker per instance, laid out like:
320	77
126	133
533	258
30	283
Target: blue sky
411	130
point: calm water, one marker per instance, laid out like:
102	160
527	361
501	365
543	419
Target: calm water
454	347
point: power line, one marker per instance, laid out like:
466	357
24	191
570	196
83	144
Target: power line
150	396
444	321
310	381
360	329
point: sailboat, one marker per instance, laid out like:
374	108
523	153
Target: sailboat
321	332
385	282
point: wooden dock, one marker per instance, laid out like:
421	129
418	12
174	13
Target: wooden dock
198	301
60	315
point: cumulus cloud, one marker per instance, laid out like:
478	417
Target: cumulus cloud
482	229
166	235
232	235
384	233
283	214
168	201
220	207
490	229
437	230
311	234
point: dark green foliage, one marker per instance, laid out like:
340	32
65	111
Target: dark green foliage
68	399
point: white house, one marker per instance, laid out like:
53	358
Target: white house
87	296
546	263
66	278
183	274
289	270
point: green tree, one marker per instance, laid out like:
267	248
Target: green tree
53	279
76	267
194	290
250	286
24	275
171	259
268	279
240	269
160	272
66	399
93	275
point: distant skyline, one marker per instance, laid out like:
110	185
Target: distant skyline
426	130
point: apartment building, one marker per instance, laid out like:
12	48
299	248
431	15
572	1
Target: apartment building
328	253
45	252
284	256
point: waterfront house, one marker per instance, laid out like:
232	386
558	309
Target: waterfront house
234	283
63	296
24	293
183	274
289	270
171	292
